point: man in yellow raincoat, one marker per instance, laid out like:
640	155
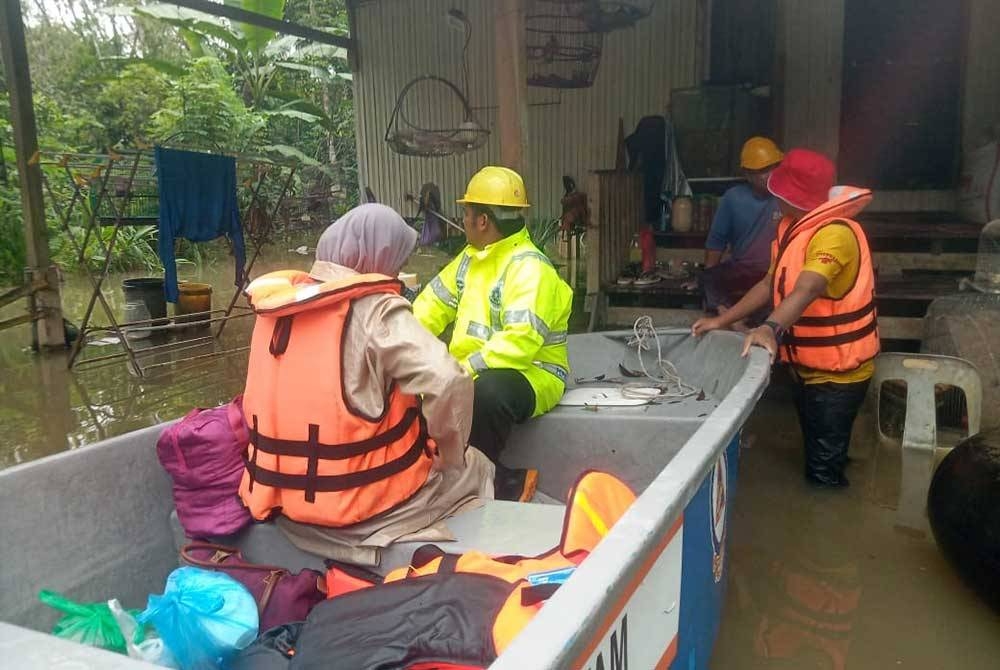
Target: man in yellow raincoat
509	310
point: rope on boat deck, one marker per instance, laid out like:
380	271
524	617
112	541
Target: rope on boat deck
668	380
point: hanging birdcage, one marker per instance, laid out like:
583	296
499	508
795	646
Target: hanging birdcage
563	52
422	104
607	15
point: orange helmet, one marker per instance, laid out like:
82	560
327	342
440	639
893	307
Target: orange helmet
759	153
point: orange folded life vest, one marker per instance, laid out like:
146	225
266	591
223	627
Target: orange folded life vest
839	334
595	503
314	457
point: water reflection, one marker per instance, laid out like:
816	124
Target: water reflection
812	593
47	408
823	580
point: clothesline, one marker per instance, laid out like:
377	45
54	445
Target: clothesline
60	158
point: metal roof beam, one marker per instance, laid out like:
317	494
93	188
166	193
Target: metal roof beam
262	21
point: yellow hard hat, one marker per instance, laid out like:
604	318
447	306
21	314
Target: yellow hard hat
759	153
496	186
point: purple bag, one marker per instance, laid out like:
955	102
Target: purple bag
281	596
203	453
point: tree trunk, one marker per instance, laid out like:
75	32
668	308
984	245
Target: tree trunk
331	145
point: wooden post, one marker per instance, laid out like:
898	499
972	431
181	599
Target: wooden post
45	302
511	82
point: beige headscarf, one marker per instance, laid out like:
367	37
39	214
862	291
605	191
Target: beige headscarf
368	238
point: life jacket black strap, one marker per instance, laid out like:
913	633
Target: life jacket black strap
252	462
837	319
312	464
449	563
532	595
792	340
280	336
332	483
331	452
424	554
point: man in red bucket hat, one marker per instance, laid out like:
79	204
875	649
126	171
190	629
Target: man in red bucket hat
822	285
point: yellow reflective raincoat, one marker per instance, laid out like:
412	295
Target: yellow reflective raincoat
511	311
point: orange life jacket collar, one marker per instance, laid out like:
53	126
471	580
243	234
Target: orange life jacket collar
291	291
845	202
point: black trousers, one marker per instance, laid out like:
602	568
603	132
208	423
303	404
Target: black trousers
826	415
503	398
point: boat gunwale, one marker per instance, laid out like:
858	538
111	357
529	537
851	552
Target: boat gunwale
564	632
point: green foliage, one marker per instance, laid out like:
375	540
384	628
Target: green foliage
203	109
129	101
109	74
543	232
12	254
135	249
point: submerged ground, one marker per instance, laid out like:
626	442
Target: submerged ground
817	580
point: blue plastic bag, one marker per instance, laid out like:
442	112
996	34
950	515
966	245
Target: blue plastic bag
203	617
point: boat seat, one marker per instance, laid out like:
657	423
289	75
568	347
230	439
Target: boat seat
497	528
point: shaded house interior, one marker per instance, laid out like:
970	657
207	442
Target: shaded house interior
899	93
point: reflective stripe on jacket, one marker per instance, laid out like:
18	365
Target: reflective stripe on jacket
312	455
833	334
510	310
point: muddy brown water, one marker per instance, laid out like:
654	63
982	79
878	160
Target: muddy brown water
824	580
46	408
817	580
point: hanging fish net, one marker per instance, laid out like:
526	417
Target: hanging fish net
563	51
433	118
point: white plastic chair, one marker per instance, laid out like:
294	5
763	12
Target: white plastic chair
922	372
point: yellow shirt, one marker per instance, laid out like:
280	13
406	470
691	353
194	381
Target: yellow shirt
833	252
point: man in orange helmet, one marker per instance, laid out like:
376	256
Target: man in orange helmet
744	225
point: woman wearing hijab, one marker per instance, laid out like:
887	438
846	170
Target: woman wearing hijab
359	417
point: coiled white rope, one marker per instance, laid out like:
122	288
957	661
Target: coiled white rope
669	383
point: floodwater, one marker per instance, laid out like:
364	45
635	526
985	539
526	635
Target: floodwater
47	408
884	598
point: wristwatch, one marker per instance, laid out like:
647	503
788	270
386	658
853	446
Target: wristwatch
777	329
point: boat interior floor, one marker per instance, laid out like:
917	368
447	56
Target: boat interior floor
497	527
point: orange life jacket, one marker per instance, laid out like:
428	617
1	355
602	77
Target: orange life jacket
595	503
313	456
832	334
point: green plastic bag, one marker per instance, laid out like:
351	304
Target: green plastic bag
87	623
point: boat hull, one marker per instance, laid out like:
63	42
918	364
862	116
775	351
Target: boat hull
94	523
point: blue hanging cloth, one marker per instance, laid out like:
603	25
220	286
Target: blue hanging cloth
198	202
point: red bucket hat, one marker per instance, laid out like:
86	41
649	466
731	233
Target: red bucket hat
803	179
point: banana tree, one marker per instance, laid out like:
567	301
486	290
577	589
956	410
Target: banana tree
256	55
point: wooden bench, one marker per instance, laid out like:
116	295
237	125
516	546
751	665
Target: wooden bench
900	241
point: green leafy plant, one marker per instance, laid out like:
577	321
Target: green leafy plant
543	232
12	252
106	76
